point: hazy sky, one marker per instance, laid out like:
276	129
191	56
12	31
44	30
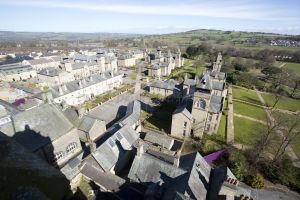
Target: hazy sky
154	16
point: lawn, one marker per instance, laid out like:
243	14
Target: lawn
246	131
285	103
249	110
293	68
221	133
245	95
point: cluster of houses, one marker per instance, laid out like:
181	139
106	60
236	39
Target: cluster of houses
201	101
122	161
162	64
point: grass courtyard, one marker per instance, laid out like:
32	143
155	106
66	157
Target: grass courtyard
246	131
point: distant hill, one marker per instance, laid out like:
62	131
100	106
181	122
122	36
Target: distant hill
10	36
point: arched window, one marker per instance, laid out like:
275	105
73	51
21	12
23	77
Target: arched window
58	156
201	104
71	147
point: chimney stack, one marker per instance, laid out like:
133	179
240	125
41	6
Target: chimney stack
60	90
140	149
177	158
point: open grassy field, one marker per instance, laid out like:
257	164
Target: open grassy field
283	103
293	68
249	110
246	131
245	95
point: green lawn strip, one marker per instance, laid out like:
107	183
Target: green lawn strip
245	95
285	103
249	110
246	131
292	68
221	133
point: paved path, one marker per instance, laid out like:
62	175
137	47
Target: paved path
289	149
282	65
230	125
250	118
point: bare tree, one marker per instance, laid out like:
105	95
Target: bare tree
267	138
289	135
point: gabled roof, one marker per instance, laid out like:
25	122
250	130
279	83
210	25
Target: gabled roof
168	84
205	81
160	139
133	113
39	126
216	104
189	82
184	111
216	85
15	69
50	71
108	153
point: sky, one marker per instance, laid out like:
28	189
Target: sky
150	17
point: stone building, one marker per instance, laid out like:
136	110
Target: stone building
126	60
16	72
45	131
203	99
54	76
44	62
78	91
167	88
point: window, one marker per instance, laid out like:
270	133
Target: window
119	136
209	118
111	143
185	124
183	133
71	147
201	104
58	156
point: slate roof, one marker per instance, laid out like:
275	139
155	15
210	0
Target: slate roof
162	140
86	123
133	113
216	85
216	104
191	177
15	60
108	153
78	66
183	110
109	181
15	69
39	126
149	169
189	82
41	61
218	75
50	71
205	81
86	82
168	84
71	168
